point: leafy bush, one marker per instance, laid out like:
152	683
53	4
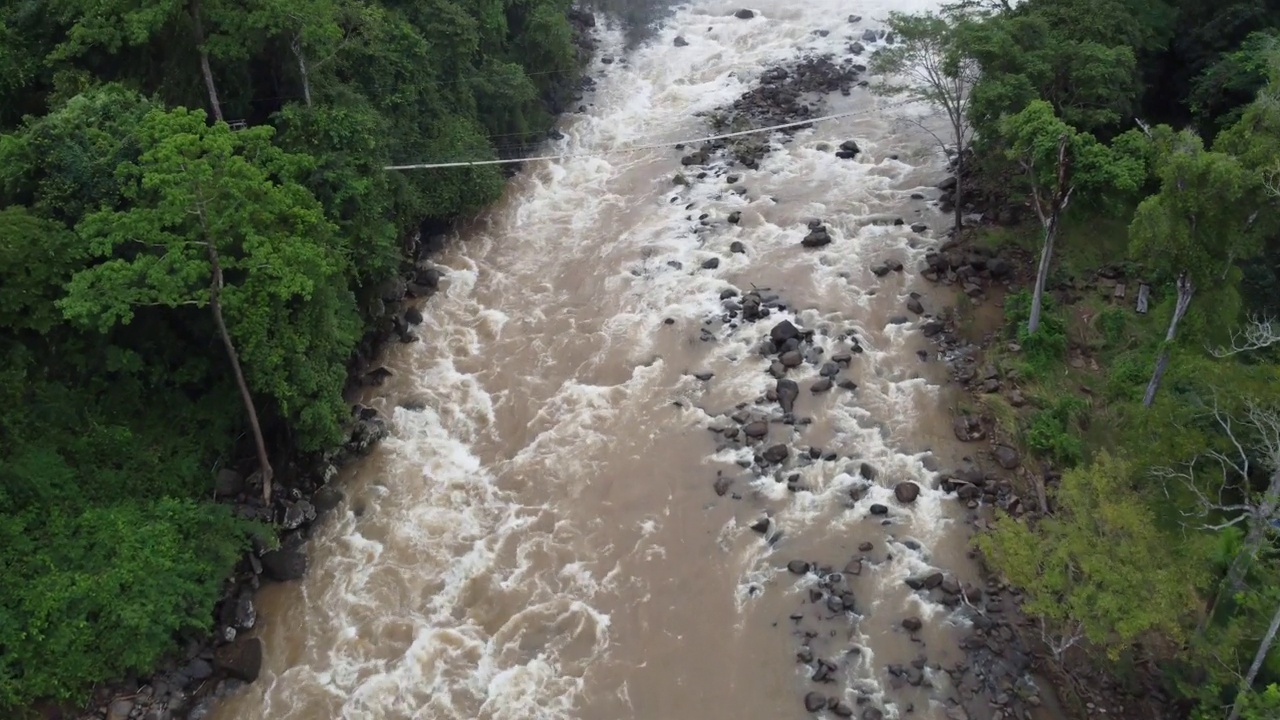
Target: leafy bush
1047	347
1050	431
100	594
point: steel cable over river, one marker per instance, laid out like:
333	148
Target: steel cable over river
553	531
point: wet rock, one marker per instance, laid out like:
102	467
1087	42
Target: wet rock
814	702
776	454
854	567
919	227
829	370
848	149
791	358
842	710
680	41
835	604
284	564
246	615
761	526
912	624
120	709
816	238
898	320
847	384
756	429
932	581
798	567
241	659
413	316
869	35
704	376
744	14
906	492
968	428
868	471
842	358
880	270
198	669
1006	456
721	485
735	217
932	328
915	306
878	509
298	514
369	430
787	392
326	499
820	385
376	377
784	331
711	263
866	547
739	248
228	483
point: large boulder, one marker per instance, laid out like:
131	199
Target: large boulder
783	332
906	492
241	659
284	564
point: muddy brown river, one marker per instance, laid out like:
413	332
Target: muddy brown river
543	539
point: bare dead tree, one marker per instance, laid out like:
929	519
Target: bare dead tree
1231	502
1260	332
1060	642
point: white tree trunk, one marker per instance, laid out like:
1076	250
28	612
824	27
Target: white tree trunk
1042	276
1185	290
205	69
1264	647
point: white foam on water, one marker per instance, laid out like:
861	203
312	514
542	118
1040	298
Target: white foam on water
497	620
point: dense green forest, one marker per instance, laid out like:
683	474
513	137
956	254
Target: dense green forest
1128	143
191	193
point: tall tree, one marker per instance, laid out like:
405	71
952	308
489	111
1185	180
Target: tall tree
926	64
1059	162
1195	228
204	201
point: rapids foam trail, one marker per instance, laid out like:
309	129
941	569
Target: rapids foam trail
541	541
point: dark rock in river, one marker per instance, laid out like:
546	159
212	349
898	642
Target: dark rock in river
680	41
814	702
284	564
756	429
711	263
798	567
878	509
787	391
783	332
744	14
241	659
816	238
791	359
906	492
776	454
912	624
820	385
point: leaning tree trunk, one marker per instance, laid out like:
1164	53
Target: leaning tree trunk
1264	647
959	169
215	303
298	53
205	70
1042	275
1185	290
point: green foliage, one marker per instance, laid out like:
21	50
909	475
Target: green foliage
1047	347
116	400
1050	433
1142	584
104	592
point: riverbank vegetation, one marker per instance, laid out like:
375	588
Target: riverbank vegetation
1128	151
196	235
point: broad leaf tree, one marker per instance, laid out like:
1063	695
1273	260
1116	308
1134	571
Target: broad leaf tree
1058	163
1195	228
212	214
926	64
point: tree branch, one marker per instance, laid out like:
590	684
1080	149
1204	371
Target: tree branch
1260	332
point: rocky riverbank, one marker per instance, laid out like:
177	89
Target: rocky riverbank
994	680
